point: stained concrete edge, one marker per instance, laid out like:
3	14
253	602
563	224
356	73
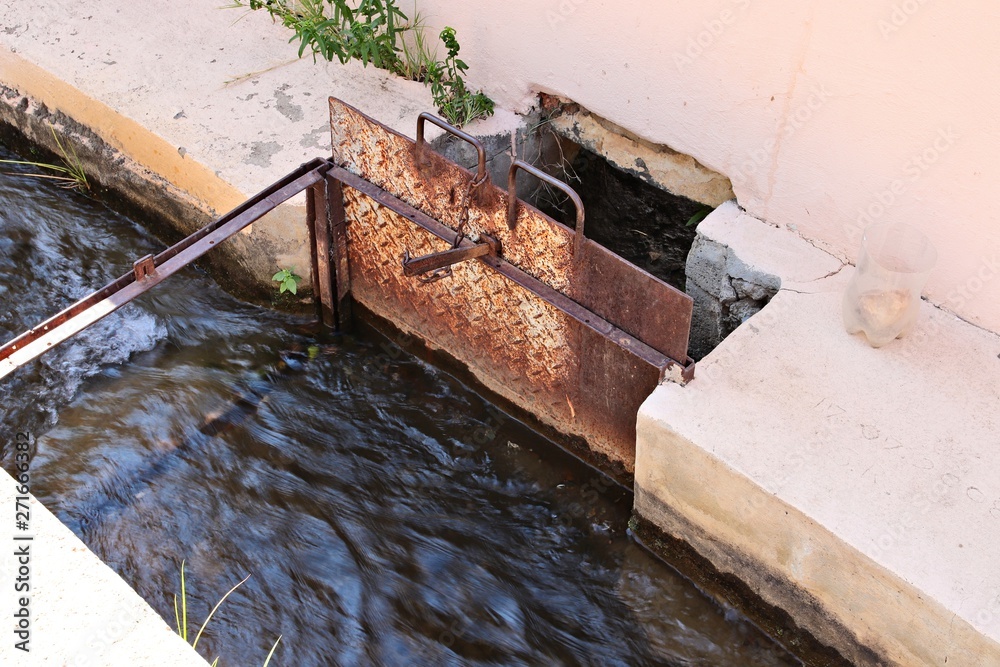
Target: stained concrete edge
762	249
659	166
843	598
81	612
852	487
151	176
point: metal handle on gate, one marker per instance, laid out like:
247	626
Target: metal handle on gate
451	129
551	180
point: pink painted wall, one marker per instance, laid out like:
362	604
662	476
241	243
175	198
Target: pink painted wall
825	115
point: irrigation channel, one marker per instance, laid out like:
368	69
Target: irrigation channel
388	514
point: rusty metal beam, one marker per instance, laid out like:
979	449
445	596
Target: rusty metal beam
416	266
341	270
148	274
321	242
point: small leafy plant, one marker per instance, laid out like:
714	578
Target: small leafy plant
378	32
287	281
451	97
69	174
369	32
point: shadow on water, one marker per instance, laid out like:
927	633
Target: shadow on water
389	515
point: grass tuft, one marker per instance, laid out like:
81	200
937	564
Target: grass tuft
69	174
181	618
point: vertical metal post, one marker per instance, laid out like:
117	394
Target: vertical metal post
321	241
341	268
313	258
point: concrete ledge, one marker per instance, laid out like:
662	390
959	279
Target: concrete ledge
82	613
729	287
855	488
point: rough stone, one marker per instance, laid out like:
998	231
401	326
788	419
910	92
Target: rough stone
736	264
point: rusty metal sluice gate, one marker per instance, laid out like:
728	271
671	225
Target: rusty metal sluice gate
545	318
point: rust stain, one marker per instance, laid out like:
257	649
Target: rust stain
584	378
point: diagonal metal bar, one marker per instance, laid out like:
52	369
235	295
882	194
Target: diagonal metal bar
584	316
85	312
415	266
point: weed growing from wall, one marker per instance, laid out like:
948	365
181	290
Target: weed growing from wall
68	175
377	32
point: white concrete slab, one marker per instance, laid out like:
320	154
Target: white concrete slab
81	613
759	248
850	485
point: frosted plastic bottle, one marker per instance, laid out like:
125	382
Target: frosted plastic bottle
883	298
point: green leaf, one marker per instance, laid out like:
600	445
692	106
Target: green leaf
699	215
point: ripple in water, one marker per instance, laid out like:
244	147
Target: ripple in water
388	515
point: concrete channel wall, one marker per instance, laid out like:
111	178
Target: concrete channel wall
80	613
853	488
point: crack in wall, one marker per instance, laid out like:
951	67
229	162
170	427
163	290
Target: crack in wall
786	111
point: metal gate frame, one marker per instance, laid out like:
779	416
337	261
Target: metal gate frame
547	319
596	334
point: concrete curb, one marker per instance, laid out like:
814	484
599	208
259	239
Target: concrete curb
853	487
81	613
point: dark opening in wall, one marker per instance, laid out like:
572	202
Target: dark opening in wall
637	221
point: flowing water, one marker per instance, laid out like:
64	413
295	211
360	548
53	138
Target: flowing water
388	515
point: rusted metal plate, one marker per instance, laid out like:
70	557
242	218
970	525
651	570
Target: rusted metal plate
515	342
635	301
531	324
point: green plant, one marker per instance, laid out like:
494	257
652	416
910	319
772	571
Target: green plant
181	616
374	32
70	174
699	215
418	56
369	32
289	282
455	102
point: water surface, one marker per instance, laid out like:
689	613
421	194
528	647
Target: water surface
388	515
